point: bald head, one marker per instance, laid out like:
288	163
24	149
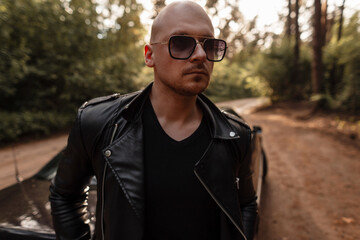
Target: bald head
179	12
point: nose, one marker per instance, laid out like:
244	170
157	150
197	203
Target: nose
199	53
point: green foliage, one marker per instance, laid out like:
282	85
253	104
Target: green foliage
276	67
145	77
29	123
342	68
231	81
55	54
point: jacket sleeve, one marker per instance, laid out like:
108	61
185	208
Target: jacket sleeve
69	191
247	194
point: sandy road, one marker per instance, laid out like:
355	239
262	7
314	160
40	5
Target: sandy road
312	188
30	157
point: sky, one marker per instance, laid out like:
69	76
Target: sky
267	11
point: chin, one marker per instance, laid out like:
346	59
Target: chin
189	86
193	88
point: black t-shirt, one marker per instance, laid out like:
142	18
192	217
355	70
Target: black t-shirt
177	206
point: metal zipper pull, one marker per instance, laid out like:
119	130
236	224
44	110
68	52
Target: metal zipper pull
237	181
113	134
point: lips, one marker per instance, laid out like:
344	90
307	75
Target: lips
197	69
198	72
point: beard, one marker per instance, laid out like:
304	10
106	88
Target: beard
190	86
191	81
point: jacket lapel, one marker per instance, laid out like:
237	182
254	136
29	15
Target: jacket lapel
126	159
126	162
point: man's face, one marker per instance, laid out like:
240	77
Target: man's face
186	77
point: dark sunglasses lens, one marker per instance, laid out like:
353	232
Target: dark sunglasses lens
215	49
181	47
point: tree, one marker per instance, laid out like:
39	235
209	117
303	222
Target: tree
297	44
324	21
158	5
336	72
292	33
341	20
344	56
317	69
288	21
56	54
235	39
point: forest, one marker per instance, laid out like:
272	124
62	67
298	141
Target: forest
57	54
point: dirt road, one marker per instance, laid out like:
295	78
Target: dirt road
312	188
29	157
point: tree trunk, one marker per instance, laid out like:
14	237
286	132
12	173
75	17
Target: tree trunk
316	73
336	72
297	31
288	21
296	46
324	21
341	20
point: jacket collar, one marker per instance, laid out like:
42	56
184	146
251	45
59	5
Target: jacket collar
219	125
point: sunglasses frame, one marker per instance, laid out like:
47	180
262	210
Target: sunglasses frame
196	42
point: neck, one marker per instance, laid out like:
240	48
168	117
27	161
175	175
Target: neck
173	106
179	115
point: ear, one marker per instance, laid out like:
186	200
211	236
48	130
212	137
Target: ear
149	61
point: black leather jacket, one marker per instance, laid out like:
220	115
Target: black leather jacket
107	141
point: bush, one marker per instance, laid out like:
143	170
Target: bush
56	54
276	67
342	69
26	123
231	81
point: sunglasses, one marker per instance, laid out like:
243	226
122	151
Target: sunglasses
182	47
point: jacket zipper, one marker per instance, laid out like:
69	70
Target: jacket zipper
218	203
103	185
213	197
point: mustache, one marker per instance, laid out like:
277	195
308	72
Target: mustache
196	68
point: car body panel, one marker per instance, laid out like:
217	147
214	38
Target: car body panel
24	206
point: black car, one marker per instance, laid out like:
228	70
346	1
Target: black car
25	207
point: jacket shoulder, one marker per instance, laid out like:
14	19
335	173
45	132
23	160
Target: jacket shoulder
98	100
97	115
231	115
242	128
114	101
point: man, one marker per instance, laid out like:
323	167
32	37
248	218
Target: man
168	163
